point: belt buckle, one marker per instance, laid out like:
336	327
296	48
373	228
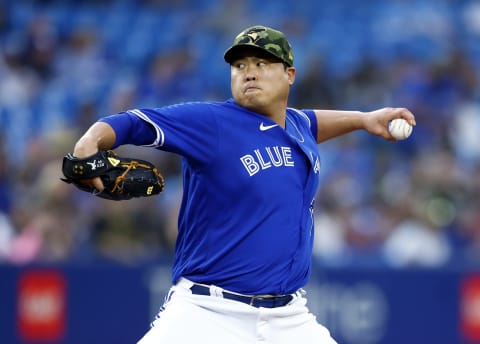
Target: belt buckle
252	300
259	298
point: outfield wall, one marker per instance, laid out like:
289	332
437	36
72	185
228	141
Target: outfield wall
112	304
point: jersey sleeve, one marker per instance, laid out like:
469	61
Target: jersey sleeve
187	129
130	129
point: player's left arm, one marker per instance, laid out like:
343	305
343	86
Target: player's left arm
333	123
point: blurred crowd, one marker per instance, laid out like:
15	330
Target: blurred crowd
64	64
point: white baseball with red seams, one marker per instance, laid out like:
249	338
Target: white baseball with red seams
400	129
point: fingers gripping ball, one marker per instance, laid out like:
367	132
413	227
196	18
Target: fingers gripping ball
400	129
123	178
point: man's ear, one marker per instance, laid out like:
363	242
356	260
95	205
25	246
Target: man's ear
291	75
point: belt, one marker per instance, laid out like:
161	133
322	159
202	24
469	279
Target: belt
255	301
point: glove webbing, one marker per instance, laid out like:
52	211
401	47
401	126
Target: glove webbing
132	164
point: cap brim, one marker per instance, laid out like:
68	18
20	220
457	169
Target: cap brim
232	53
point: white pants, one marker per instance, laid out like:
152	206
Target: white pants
200	319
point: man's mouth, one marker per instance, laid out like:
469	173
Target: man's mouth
250	89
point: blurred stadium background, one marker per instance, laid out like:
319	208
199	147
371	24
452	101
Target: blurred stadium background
398	225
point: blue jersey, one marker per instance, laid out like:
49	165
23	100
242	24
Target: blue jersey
246	218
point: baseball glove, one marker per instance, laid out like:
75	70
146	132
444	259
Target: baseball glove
123	178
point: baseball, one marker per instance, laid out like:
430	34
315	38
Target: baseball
400	129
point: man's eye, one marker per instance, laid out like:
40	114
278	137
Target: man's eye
240	65
261	63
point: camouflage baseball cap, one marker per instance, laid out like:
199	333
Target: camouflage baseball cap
264	38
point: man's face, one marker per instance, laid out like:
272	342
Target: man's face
259	80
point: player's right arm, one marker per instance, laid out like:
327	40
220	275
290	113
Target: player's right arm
333	123
100	136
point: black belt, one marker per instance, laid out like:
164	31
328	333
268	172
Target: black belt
255	301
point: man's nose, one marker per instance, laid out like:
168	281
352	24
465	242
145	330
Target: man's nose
250	73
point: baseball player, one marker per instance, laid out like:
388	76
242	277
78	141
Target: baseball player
250	175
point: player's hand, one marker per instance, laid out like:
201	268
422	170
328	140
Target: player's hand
96	183
376	122
100	136
81	152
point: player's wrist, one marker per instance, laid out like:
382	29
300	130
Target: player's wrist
360	120
85	148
